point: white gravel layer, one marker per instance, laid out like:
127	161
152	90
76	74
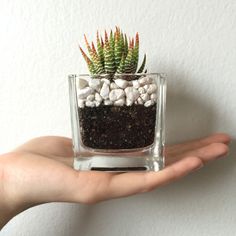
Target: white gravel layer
94	92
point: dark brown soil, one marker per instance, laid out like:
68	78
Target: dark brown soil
114	127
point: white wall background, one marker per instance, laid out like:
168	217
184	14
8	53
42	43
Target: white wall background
194	42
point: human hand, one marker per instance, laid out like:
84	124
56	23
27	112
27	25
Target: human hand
40	171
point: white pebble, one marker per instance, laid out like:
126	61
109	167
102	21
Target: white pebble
85	92
121	83
114	86
135	84
95	84
97	103
145	97
153	97
98	97
140	101
141	90
80	103
152	88
129	102
105	91
107	102
148	103
131	93
90	97
106	81
144	80
82	83
146	87
116	94
89	104
119	102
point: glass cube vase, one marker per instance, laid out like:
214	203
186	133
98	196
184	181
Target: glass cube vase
118	121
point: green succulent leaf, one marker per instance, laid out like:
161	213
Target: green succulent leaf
141	68
109	62
121	67
100	50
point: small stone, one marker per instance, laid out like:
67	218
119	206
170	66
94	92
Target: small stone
95	84
90	97
140	101
119	102
153	96
97	103
129	102
106	81
131	93
152	88
146	87
116	94
121	83
107	102
81	103
105	91
145	97
114	86
98	98
85	92
89	104
135	84
144	80
141	90
82	83
148	103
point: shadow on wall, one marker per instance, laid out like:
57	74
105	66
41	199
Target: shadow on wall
188	116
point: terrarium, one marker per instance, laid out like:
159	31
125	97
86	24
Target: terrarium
118	109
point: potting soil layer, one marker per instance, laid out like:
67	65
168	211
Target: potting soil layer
117	127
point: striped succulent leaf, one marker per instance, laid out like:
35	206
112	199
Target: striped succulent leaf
121	67
97	64
96	61
118	49
109	60
141	68
100	50
88	61
136	51
129	65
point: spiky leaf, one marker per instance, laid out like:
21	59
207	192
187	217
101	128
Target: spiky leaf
109	61
100	50
140	70
88	61
121	67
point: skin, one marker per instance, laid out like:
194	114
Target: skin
40	171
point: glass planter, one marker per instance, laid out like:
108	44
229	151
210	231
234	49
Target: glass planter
118	122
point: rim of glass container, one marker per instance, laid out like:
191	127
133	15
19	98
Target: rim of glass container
163	75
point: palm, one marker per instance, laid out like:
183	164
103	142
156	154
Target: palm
41	171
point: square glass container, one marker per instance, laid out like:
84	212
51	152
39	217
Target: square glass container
118	121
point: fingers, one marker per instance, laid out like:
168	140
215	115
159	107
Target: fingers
132	183
187	146
206	153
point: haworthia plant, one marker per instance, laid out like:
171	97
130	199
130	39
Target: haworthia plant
114	54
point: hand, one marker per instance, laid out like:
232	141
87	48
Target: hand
40	171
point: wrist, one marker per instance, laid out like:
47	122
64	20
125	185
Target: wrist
10	205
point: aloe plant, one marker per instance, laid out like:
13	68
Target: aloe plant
114	54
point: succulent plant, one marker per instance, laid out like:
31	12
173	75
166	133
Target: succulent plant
114	54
